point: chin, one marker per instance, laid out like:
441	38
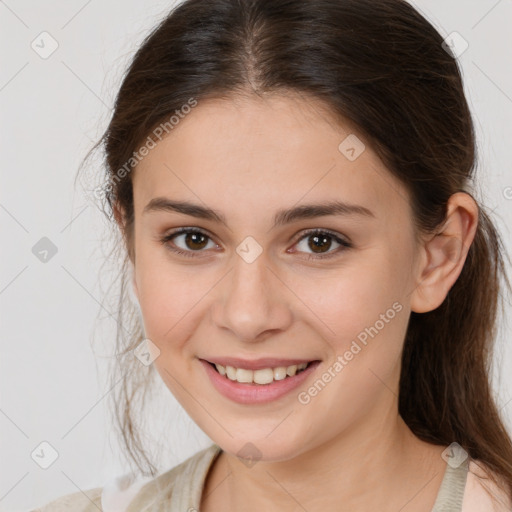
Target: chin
253	449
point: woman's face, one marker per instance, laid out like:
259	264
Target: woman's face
245	287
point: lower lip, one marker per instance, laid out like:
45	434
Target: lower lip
256	393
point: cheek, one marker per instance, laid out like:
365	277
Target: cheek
363	318
342	303
374	320
170	299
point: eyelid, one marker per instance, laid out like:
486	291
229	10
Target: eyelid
311	231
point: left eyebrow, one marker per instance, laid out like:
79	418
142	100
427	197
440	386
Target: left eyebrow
309	211
282	217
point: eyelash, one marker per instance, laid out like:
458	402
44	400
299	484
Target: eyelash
190	254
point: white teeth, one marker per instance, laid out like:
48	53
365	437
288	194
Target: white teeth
242	375
291	370
280	373
263	376
220	369
231	372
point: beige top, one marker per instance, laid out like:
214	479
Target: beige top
180	489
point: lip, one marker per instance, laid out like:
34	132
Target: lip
256	364
244	393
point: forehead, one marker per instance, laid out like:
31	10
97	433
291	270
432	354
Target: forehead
247	153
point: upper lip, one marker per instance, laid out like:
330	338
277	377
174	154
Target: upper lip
256	364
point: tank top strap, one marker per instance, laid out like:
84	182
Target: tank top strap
451	492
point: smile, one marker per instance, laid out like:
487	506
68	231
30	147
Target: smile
258	386
263	376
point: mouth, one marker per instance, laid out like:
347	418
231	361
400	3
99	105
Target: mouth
261	385
261	376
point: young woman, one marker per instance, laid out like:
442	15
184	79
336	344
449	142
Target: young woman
318	287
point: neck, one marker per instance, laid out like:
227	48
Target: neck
374	466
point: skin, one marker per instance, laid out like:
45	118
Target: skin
347	449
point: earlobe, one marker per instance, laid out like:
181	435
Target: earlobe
445	254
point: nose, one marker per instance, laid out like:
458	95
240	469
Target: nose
253	301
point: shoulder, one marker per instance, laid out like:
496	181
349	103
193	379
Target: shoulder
481	494
177	484
127	494
86	501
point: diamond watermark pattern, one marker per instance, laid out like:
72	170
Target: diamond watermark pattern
44	45
454	455
44	455
249	249
146	352
352	147
249	454
44	250
455	45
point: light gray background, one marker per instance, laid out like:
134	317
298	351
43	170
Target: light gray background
53	387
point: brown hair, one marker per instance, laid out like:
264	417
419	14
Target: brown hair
382	66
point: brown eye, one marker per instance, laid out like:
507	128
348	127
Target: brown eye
319	242
195	240
186	242
191	242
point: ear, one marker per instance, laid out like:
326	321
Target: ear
444	254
